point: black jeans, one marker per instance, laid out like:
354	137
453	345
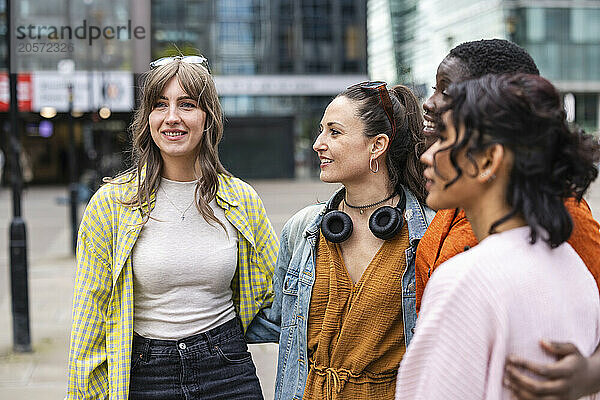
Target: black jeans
210	365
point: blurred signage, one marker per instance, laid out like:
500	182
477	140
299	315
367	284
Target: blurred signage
114	89
24	92
285	85
91	90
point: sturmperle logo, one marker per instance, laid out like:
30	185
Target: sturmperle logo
83	31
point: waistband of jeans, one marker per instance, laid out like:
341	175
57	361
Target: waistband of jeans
221	333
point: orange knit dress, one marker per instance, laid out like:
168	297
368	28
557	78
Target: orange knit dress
356	331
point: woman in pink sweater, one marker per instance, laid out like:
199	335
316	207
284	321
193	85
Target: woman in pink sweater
505	155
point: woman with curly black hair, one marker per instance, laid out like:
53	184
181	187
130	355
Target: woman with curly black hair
570	375
505	155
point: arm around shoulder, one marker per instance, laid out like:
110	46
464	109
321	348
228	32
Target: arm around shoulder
266	325
569	378
262	329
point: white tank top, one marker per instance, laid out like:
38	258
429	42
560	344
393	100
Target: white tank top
182	267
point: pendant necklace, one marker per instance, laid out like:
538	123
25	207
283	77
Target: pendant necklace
177	208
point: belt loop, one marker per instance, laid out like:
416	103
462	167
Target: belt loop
209	339
240	325
144	347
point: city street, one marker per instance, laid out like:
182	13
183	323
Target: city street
42	373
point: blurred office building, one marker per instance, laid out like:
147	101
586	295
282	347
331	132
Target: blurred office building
563	37
276	64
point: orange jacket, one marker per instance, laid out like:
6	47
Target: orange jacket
450	232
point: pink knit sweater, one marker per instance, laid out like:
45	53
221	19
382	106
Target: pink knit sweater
499	298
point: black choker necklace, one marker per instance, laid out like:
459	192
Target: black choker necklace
363	208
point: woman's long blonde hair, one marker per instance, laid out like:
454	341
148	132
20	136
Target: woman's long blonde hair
196	81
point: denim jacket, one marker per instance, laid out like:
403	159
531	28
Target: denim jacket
286	320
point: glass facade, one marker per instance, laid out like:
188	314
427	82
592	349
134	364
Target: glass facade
247	37
565	42
3	49
87	32
392	26
184	27
437	26
562	36
322	41
381	47
405	10
236	26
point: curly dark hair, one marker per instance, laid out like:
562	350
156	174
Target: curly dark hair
551	162
405	148
493	56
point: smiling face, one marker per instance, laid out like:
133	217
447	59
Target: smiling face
440	171
176	124
342	146
450	70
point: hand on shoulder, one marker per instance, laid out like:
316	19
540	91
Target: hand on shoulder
570	377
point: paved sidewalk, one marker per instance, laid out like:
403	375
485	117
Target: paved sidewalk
41	374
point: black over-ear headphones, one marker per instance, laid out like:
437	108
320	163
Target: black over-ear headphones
384	223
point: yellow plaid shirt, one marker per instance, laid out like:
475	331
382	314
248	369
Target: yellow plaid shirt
100	351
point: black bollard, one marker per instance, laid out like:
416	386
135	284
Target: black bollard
19	286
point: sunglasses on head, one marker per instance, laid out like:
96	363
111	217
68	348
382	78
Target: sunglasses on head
386	102
188	59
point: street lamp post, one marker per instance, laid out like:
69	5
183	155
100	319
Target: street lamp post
18	232
66	68
72	174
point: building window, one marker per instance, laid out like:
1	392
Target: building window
586	111
352	43
238	68
236	32
585	25
536	25
557	19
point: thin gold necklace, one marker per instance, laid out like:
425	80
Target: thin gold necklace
173	204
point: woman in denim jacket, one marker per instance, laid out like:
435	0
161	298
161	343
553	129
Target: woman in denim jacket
344	282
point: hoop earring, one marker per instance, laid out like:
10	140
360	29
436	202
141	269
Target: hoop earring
376	165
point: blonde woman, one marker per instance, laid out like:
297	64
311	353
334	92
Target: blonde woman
174	257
